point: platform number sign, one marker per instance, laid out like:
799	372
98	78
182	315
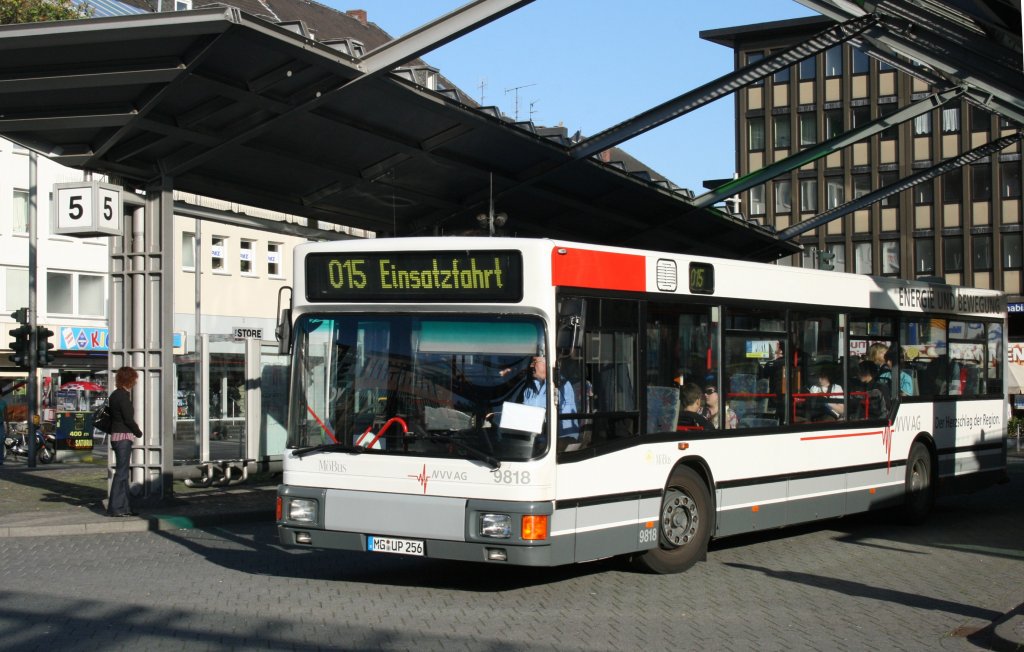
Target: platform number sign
89	208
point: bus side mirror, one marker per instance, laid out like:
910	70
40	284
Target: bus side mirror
283	332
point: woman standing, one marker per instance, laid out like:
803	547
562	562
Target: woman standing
123	430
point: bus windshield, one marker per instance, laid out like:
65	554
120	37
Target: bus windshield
441	386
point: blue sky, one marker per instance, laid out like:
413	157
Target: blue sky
590	64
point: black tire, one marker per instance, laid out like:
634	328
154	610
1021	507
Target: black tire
684	526
45	454
919	490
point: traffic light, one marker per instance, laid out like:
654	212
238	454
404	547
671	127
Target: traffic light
43	346
20	315
825	259
20	345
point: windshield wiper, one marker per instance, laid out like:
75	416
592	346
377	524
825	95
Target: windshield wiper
328	448
463	447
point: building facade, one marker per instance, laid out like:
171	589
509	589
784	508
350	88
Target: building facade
964	226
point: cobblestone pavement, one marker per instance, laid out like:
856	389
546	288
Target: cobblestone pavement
863	583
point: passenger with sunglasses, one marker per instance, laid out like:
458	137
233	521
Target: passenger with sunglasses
712	406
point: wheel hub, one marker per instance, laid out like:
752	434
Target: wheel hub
679	518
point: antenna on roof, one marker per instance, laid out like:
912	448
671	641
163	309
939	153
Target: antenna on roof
482	85
515	89
533	103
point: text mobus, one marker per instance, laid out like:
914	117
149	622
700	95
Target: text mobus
418	423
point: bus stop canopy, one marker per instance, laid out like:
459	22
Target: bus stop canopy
219	103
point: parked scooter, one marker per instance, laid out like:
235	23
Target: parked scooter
46	446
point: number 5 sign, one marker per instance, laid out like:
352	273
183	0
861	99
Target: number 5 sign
86	208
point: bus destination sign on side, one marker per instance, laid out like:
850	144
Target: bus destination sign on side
470	276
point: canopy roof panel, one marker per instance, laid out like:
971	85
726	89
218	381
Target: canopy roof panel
227	105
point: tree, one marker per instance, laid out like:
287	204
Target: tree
35	11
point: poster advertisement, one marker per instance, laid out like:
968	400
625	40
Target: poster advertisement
74	431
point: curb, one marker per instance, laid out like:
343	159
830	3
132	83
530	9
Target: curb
145	523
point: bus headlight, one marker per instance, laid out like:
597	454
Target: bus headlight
496	526
302	509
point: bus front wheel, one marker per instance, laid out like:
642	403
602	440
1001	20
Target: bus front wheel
920	493
684	525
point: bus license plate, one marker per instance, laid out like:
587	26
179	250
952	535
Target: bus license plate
397	546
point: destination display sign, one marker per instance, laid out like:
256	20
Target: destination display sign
428	276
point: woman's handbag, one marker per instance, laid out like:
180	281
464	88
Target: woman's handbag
101	419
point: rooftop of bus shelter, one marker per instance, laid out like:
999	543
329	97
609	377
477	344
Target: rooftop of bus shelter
227	105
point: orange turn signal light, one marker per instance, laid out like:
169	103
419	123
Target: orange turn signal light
279	509
535	527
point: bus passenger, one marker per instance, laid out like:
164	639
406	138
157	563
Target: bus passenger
906	382
712	407
536	394
692	416
830	405
870	403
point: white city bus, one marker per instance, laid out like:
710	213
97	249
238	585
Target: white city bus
411	431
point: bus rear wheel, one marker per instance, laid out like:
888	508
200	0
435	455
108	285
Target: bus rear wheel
684	525
920	493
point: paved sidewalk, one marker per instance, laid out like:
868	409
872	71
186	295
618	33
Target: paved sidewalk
68	498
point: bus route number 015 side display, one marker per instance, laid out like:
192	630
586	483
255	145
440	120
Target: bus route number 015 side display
427	276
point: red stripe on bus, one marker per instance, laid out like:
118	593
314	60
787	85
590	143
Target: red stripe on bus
852	434
598	269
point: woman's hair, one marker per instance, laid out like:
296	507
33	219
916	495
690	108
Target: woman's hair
125	377
874	349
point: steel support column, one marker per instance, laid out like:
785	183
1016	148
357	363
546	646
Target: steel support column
141	309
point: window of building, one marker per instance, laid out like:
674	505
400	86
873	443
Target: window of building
188	251
981	120
884	67
92	295
861	185
1009	182
808	69
808	129
982	245
808	195
60	298
15	288
838	250
890	257
981	182
781	131
20	216
834	61
245	255
757	200
859	62
924	256
953	253
862	257
182	5
781	76
754	57
952	186
951	120
755	134
274	259
924	193
1012	244
892	131
834	195
923	124
886	179
783	196
217	252
833	123
859	116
